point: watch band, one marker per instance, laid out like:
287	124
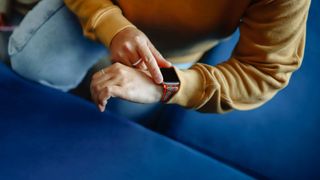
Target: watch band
168	91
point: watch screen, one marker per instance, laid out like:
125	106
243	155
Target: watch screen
169	75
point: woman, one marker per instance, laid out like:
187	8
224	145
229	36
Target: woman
271	45
270	49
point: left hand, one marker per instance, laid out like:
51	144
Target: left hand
124	82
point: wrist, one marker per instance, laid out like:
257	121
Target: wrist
121	33
159	92
170	85
192	88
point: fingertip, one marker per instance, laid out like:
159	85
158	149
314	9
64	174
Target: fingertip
164	63
101	108
159	80
169	64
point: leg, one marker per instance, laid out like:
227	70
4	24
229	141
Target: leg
49	47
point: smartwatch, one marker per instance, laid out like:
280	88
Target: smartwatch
171	83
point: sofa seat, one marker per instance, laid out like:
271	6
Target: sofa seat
48	134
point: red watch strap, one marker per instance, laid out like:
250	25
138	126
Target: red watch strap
168	91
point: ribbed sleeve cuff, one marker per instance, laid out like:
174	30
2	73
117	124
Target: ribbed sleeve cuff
191	90
108	23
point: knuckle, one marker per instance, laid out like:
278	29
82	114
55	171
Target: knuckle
116	66
139	39
120	55
122	72
127	46
141	47
148	59
118	69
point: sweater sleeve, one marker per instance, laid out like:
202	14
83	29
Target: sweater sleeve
269	50
100	19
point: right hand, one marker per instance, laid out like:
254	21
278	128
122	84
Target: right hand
133	48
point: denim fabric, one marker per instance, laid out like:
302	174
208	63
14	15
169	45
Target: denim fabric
49	47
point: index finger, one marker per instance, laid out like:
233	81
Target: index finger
150	62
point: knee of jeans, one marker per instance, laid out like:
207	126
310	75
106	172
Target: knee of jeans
43	73
34	20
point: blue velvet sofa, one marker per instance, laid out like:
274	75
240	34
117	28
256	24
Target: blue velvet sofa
47	134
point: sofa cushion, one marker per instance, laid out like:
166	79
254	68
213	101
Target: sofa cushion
47	134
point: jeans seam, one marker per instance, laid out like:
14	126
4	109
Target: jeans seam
33	31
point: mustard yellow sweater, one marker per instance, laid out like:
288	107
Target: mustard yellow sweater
270	48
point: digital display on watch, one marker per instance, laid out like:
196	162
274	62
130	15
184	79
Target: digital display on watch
169	75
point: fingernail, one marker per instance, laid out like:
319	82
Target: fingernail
159	80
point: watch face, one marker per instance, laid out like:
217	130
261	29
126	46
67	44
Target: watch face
169	75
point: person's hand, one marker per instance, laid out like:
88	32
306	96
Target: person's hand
125	82
133	48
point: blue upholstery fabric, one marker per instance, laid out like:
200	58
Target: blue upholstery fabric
47	134
280	140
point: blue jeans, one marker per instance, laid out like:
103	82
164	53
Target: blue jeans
49	48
